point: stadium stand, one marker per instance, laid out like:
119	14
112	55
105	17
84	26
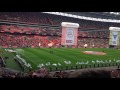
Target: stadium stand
42	73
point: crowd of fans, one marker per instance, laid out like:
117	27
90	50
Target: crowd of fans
28	30
43	73
8	73
96	38
32	36
97	42
41	18
13	40
49	31
94	34
115	73
24	17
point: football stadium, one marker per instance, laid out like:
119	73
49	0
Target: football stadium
59	44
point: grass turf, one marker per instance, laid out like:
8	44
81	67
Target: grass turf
36	56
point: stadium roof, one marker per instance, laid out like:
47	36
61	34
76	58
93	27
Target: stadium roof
113	17
104	15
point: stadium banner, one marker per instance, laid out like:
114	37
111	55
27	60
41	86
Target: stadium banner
114	38
69	33
69	36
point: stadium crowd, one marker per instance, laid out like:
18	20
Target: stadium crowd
43	73
96	38
97	42
94	34
41	18
15	40
28	30
23	36
49	31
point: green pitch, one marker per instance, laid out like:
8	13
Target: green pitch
36	56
